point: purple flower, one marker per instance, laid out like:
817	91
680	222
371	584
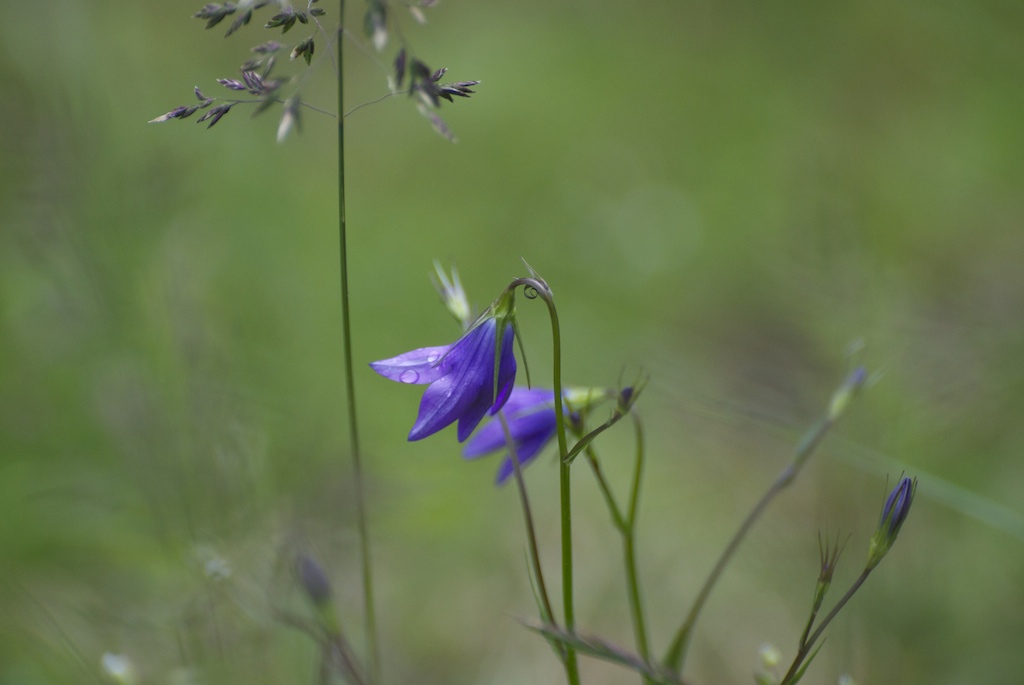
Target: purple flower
460	378
530	415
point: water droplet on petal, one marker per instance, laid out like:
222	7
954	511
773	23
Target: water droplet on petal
409	376
431	358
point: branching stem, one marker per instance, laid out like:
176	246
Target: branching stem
625	524
807	644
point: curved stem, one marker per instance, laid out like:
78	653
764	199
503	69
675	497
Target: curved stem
357	468
565	490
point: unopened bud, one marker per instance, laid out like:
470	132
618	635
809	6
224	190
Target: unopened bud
313	580
845	393
829	558
453	296
770	658
894	513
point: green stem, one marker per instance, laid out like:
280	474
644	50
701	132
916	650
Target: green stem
633	586
565	498
620	521
807	628
357	468
564	489
676	655
634	495
629	542
807	644
626	525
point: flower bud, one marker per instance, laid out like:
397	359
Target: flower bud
841	398
313	580
769	657
829	558
581	399
894	513
453	296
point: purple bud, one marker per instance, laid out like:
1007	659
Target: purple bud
894	513
897	506
625	395
313	580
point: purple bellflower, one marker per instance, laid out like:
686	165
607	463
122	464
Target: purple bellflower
460	376
530	414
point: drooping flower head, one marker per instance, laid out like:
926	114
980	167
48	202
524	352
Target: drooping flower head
530	414
465	380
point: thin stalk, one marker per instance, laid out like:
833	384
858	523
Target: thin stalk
634	495
565	491
531	535
807	628
350	387
620	521
626	526
568	608
629	544
333	644
676	655
633	587
808	644
348	663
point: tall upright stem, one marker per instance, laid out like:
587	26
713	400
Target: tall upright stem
350	387
565	490
571	667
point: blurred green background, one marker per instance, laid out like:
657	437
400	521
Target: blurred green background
729	196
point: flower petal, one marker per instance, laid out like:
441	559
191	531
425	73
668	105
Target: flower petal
506	372
443	403
421	366
521	403
460	378
534	435
530	415
466	391
485	399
